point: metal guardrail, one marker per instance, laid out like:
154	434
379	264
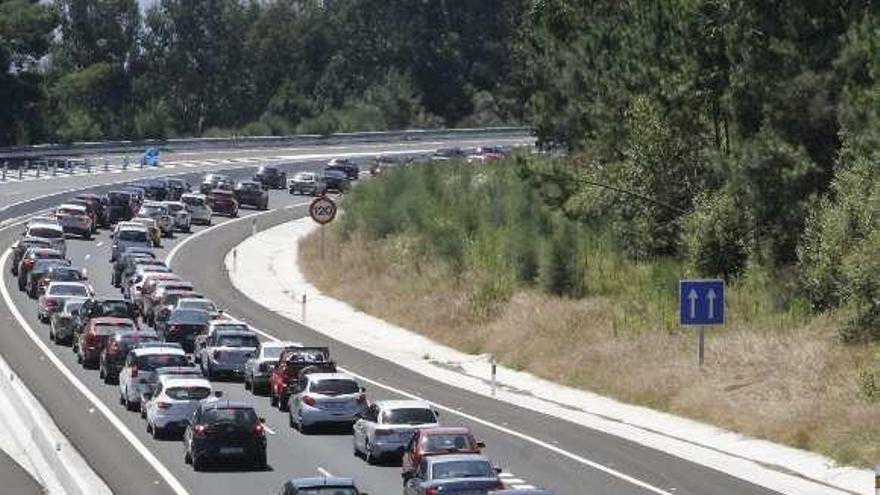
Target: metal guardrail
45	151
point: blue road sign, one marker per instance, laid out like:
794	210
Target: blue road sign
701	302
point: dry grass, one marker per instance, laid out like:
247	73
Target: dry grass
797	386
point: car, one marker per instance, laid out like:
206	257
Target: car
137	194
383	163
132	286
173	402
258	367
335	180
241	437
155	188
120	206
211	181
180	214
154	232
327	485
442	440
61	322
183	325
251	193
307	183
160	213
167	302
52	300
177	187
225	351
199	210
61	273
459	473
291	362
140	365
114	353
138	292
22	245
223	202
386	427
150	158
198	301
318	399
187	371
75	219
93	339
126	266
214	325
51	231
151	296
270	177
91	211
446	154
97	307
30	258
97	203
346	166
37	272
41	219
128	235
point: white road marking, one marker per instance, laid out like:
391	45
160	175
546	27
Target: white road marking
324	472
142	449
268	430
99	244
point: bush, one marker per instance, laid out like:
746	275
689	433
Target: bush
153	121
562	266
258	128
718	235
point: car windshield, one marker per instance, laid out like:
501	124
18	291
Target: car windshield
131	339
202	304
43	266
462	469
150	211
249	185
237	341
111	328
190	317
268	171
193	201
409	416
433	443
305	177
188	393
174	207
231	326
150	362
119	199
68	290
71	306
239	416
171	299
70	211
25	244
335	174
328	490
47	233
335	387
132	236
118	309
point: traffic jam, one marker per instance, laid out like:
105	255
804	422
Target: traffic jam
162	344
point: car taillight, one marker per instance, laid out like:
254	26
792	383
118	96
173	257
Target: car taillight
258	430
200	430
362	399
91	338
134	371
28	263
43	282
309	400
432	491
384	433
497	486
173	329
163	405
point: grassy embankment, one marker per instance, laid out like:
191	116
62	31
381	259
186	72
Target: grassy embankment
471	258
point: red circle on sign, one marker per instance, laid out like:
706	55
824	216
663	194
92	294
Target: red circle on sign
322	210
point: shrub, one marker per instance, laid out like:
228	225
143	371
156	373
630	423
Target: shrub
718	235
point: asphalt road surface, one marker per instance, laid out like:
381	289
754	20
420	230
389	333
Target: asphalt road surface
120	450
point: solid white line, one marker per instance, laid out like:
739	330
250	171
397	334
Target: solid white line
169	478
324	472
268	430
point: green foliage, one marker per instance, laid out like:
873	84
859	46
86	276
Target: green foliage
562	267
718	235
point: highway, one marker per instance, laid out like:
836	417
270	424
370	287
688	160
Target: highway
121	451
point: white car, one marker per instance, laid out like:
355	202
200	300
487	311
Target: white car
75	219
53	298
173	402
198	208
160	213
140	363
325	399
226	351
179	212
220	324
260	364
53	232
386	427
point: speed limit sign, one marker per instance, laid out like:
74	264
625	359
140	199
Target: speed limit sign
322	210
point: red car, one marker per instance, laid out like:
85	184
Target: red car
438	441
290	363
93	340
222	201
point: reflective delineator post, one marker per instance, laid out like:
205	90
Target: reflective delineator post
37	170
21	170
877	479
5	169
494	375
88	166
54	168
125	162
253	226
106	164
304	308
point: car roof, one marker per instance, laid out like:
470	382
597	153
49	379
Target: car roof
447	430
61	283
330	376
130	226
73	206
456	457
402	404
231	331
147	351
322	481
45	225
226	404
180	381
111	320
281	343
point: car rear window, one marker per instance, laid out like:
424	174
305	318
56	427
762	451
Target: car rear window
188	393
68	290
194	201
66	275
111	328
335	387
119	309
200	304
153	361
409	416
46	233
190	317
237	341
462	469
433	443
239	416
132	236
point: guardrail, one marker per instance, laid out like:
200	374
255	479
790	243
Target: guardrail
45	151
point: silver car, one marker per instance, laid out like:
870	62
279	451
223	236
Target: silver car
198	208
51	231
61	322
260	364
134	378
180	214
454	473
52	300
158	212
325	399
225	352
386	427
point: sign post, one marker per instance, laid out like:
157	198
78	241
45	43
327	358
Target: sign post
701	304
323	211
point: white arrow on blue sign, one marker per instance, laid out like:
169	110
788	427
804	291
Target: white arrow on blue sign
701	302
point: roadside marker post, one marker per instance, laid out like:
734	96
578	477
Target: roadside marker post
701	304
877	479
21	170
106	164
494	375
125	162
5	169
304	308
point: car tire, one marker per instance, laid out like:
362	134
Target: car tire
198	463
368	453
273	401
157	432
260	463
247	383
101	374
52	334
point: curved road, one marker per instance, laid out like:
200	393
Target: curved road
111	442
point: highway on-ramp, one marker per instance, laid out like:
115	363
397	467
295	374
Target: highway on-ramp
116	445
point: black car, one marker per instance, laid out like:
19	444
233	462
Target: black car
183	325
251	193
22	245
224	431
114	353
336	181
120	206
126	261
97	307
30	258
346	166
155	189
271	177
39	270
176	188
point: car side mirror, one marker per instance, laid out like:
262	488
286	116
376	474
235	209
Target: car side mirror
363	390
262	419
497	469
218	393
249	355
481	445
358	415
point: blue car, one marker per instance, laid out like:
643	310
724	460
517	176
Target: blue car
329	485
150	158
